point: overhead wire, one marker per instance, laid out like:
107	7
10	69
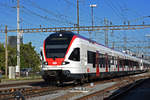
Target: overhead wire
69	2
114	9
27	16
137	14
58	16
132	20
44	17
9	12
122	13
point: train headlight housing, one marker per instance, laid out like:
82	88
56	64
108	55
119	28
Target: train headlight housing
45	63
65	62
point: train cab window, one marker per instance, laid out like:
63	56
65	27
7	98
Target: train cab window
75	55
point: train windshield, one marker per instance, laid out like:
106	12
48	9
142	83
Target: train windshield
56	45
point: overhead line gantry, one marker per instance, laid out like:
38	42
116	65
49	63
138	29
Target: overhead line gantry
81	28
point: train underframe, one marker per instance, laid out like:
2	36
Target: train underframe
58	77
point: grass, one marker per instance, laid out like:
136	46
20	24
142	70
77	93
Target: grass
30	77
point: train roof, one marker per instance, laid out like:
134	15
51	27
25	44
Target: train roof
127	56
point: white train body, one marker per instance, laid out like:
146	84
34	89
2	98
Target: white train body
80	58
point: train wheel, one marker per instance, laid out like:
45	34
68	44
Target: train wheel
46	79
81	81
86	79
75	82
59	83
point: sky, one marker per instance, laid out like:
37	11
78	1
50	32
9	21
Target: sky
60	13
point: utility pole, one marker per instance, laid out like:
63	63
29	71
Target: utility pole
92	6
125	42
78	15
18	40
92	15
113	44
106	32
125	38
6	53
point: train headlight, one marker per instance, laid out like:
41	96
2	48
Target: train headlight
65	62
45	63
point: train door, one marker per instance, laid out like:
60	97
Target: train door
106	62
83	55
123	66
115	63
141	64
111	63
118	63
97	64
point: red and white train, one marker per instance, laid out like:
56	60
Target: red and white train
70	57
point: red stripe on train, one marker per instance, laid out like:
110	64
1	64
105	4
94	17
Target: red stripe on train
97	64
74	37
44	50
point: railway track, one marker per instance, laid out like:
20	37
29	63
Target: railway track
36	91
26	92
139	90
122	91
124	82
13	84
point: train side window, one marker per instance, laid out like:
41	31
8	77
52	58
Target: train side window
101	60
112	60
109	60
75	55
92	58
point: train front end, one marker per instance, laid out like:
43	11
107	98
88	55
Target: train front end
56	51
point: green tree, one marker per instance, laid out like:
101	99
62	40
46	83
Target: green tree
12	57
28	57
2	57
